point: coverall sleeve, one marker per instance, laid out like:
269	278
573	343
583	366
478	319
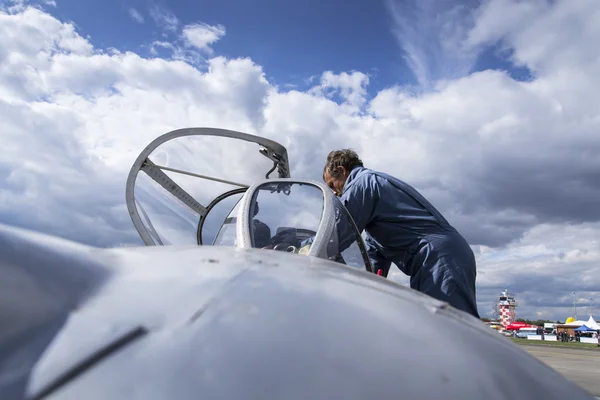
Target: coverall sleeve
360	199
378	261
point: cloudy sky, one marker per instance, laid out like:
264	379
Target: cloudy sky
490	108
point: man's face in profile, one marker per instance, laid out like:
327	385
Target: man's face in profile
336	184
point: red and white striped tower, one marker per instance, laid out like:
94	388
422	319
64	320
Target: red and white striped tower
507	308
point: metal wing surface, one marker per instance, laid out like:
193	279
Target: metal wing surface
190	322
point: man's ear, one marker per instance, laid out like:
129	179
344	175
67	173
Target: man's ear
343	171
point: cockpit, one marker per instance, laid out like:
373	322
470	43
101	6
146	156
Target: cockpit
300	217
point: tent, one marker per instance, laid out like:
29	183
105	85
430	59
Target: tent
591	323
584	328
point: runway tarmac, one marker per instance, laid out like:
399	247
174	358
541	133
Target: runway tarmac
581	366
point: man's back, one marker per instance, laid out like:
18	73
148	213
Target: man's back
397	219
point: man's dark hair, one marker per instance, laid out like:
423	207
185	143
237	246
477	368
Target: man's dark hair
346	158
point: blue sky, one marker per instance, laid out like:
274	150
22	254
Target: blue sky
292	41
511	159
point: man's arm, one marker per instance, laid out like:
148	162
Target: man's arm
360	199
378	261
359	202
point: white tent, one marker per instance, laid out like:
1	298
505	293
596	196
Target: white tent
591	323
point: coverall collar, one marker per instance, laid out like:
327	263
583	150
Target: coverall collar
353	173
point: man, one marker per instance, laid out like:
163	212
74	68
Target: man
405	229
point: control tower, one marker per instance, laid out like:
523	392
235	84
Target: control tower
507	308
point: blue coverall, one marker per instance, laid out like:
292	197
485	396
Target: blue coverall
404	228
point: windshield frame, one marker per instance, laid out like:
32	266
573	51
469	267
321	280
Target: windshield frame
326	227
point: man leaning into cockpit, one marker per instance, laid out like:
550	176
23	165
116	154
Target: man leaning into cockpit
405	229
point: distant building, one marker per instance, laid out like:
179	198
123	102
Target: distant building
549	327
507	306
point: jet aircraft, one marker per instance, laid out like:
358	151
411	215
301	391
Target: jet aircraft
263	291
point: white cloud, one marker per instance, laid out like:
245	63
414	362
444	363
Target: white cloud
543	268
162	44
135	14
20	5
351	87
69	115
193	44
432	36
163	17
514	165
12	5
202	36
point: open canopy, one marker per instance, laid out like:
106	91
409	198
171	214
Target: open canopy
177	178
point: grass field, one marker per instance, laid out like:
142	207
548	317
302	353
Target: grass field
563	344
